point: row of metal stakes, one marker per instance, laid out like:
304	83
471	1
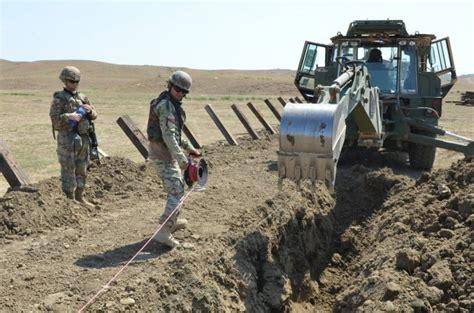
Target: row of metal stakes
18	179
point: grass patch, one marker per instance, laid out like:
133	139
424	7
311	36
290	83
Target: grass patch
201	98
241	98
27	94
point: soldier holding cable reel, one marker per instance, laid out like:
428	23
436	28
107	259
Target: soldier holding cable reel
172	154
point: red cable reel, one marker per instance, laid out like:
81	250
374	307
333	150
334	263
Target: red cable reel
196	172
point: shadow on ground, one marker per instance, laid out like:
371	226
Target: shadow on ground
396	161
272	166
119	256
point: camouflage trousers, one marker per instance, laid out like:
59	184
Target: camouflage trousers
74	159
170	174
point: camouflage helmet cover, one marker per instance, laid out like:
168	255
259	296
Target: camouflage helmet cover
181	79
70	73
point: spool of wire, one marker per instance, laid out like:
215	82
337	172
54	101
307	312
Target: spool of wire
196	172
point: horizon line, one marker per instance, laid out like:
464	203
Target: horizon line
170	66
150	65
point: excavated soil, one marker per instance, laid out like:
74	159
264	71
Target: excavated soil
42	207
381	242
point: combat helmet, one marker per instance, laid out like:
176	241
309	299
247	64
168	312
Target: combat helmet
70	73
181	79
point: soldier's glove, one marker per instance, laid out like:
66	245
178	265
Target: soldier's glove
87	107
183	164
75	117
195	153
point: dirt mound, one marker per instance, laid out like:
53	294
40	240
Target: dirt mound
44	206
415	254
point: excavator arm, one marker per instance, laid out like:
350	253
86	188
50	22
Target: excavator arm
312	134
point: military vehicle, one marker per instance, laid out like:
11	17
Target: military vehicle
376	87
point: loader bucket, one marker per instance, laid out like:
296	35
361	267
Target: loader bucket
311	139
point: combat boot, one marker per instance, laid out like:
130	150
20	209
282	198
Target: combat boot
79	196
164	237
180	223
69	195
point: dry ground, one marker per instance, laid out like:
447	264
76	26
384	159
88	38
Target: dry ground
384	241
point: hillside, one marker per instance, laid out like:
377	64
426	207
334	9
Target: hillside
41	75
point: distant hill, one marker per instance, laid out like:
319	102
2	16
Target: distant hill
41	75
467	81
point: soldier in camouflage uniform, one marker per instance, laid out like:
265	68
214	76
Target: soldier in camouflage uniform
73	129
168	149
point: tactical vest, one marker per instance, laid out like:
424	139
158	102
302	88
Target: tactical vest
65	95
153	128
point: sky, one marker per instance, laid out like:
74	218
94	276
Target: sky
212	34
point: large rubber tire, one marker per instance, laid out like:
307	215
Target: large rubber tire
421	157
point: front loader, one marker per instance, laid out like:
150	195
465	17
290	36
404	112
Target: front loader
376	87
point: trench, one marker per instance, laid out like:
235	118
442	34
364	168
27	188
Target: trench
299	258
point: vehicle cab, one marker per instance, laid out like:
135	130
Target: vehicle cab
413	70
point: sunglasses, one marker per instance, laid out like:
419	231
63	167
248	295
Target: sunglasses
73	81
183	91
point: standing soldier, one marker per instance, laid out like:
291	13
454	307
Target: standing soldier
70	114
165	123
